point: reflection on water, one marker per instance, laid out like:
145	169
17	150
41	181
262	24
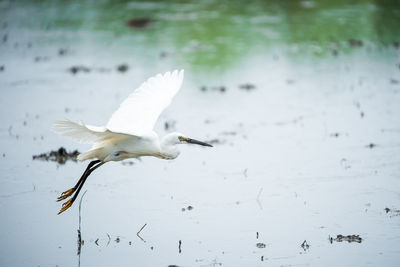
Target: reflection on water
216	34
300	99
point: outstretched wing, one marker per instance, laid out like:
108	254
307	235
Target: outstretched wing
138	113
81	133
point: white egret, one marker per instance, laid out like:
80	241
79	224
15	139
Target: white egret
129	132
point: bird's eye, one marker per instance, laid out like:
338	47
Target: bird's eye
117	154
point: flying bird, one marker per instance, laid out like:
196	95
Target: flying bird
129	132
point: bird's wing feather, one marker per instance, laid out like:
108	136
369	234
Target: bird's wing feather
84	134
138	113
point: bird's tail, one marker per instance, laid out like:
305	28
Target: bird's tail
80	132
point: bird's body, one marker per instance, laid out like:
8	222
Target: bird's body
129	132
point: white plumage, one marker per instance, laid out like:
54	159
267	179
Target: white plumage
138	113
129	132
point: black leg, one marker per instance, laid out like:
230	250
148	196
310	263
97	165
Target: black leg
69	192
84	180
79	185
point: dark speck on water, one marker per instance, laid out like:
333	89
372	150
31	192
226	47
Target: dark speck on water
355	43
61	156
122	68
2	68
221	89
140	23
76	69
261	245
247	86
62	51
371	145
40	59
187	208
394	81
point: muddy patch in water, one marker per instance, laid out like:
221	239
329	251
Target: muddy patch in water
60	156
348	238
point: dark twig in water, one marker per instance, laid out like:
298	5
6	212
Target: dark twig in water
80	241
180	244
109	239
80	205
138	233
305	246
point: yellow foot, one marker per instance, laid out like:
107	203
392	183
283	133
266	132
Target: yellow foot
66	194
66	205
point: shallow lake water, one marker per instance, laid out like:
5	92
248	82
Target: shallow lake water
300	99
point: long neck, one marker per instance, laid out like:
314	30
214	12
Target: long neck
168	147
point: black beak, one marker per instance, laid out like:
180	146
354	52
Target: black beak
194	141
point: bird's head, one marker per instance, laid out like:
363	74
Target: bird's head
169	142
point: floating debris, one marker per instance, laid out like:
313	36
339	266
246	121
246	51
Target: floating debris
39	59
394	81
247	86
2	68
348	238
61	156
392	212
123	68
76	69
355	43
62	51
221	89
187	208
261	245
371	145
140	23
334	134
117	240
179	246
305	245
